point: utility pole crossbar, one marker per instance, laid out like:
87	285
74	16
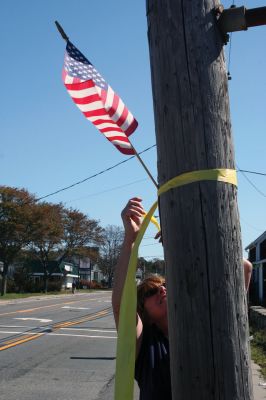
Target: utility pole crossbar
239	18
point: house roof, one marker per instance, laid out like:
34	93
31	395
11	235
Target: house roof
259	239
66	268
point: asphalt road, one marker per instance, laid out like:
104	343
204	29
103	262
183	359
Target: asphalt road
57	348
63	348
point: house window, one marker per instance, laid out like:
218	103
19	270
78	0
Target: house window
252	254
263	250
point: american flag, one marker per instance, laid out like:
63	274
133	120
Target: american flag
97	100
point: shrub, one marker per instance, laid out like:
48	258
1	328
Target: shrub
258	348
21	279
84	283
33	287
54	286
11	286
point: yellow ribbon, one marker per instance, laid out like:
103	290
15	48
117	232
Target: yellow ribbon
126	343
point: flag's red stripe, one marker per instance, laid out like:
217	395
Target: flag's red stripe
133	126
111	129
95	113
114	106
125	151
87	99
79	86
103	95
120	138
104	121
123	117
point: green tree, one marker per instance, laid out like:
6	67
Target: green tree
79	232
154	266
48	236
109	251
21	279
44	231
61	234
16	225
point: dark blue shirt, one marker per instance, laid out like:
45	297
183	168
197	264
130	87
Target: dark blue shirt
152	369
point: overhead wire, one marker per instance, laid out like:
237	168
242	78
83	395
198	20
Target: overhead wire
107	190
131	183
251	226
138	181
230	48
151	244
92	176
126	160
252	184
252	172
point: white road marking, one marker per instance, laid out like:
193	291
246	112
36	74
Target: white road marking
85	336
18	326
90	330
17	333
60	334
35	319
76	308
66	329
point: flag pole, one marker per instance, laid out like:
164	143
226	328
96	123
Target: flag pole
61	31
144	166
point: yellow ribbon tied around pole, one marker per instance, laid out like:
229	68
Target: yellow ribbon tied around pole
126	342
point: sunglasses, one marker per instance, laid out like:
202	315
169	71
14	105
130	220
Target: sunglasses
151	292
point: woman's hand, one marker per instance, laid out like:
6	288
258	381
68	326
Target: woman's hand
132	216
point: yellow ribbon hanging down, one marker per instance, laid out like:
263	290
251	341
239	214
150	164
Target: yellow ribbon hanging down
126	343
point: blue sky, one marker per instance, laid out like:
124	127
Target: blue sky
46	143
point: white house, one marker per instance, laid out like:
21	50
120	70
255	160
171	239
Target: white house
89	270
257	255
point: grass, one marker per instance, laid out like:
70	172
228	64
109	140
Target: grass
11	296
258	349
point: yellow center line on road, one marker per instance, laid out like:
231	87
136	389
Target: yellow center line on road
48	306
31	336
25	338
15	339
81	320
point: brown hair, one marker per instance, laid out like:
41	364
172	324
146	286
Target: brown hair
151	282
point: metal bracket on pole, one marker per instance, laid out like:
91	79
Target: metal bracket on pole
239	19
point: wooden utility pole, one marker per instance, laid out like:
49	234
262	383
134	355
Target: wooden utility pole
208	324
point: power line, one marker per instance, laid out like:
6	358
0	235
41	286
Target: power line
251	226
107	190
230	48
229	61
122	162
93	176
148	237
142	180
252	184
252	172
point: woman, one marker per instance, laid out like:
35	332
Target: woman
152	370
